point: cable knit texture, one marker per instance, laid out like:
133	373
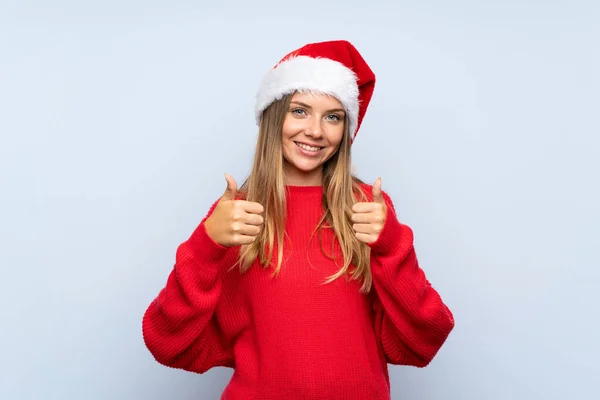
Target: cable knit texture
291	336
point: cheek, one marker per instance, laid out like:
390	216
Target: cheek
287	133
335	136
290	128
285	130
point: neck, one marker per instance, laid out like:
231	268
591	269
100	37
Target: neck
299	178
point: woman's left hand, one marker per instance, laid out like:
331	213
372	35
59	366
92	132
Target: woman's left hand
369	217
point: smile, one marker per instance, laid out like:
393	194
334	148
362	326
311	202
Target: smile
307	147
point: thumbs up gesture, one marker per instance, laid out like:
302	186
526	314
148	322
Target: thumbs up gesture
369	217
234	222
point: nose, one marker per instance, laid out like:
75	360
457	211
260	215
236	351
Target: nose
314	129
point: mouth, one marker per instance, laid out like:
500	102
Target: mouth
307	147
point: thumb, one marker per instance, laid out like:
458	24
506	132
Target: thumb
231	189
377	193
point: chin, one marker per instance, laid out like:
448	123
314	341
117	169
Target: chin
306	169
303	167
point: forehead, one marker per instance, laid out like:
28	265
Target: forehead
316	99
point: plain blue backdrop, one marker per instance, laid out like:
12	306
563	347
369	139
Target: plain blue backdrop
118	120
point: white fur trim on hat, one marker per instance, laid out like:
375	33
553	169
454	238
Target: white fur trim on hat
302	73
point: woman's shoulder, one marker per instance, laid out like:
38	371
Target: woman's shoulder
362	189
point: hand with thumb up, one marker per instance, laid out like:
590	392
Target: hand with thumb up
369	217
234	222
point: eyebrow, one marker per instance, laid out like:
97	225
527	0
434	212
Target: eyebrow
310	108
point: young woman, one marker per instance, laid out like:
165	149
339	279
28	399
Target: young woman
303	280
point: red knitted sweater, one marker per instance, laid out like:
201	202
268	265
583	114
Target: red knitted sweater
293	337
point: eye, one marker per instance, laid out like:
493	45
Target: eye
334	117
298	111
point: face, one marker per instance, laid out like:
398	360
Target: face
312	133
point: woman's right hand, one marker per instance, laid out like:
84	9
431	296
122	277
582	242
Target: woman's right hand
234	222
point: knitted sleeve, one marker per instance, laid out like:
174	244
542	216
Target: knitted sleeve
180	328
412	321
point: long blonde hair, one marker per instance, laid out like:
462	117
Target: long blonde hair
341	189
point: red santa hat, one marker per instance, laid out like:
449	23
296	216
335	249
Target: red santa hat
335	68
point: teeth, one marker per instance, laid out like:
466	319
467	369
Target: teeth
309	148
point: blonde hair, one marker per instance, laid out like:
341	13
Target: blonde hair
341	189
